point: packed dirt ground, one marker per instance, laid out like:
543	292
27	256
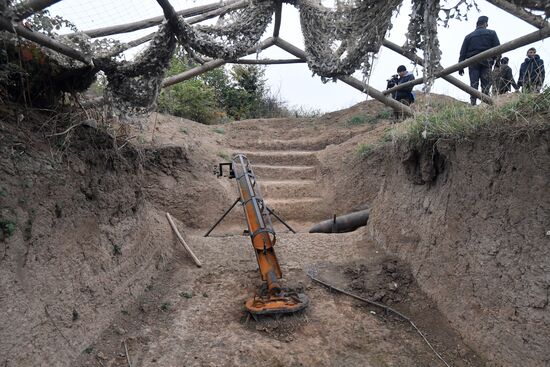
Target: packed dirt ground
92	275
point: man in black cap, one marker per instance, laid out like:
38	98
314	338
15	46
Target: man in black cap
476	42
404	95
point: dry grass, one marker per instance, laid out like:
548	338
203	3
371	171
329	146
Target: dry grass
459	120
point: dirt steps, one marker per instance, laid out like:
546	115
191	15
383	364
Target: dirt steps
297	209
288	188
266	171
281	158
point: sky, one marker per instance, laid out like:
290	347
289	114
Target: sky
294	83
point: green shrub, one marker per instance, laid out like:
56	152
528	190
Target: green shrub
7	227
356	120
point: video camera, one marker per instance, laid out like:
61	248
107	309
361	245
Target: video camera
393	81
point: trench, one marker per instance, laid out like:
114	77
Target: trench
130	294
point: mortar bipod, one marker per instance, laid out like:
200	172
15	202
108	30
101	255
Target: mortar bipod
273	299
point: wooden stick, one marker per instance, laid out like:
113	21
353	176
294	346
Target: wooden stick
182	241
355	83
508	46
127	354
384	307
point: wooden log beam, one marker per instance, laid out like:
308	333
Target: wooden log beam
278	13
534	20
146	23
451	79
215	13
355	83
207	66
505	47
27	8
267	61
43	40
194	20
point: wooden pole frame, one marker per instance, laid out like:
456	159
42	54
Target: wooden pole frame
29	7
508	46
214	13
146	23
534	20
43	40
212	64
278	13
267	61
355	83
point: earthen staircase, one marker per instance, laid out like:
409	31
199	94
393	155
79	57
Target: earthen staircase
287	169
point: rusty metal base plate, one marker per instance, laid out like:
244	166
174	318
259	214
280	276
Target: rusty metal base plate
276	305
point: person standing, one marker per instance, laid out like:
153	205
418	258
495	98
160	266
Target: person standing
503	78
474	43
531	72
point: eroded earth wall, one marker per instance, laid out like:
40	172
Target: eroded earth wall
472	219
78	242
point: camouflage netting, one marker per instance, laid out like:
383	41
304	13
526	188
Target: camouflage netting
233	35
133	86
338	41
422	35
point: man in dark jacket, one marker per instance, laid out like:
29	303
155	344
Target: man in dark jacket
405	95
503	78
476	42
531	72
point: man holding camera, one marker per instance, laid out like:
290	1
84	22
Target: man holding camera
404	95
474	43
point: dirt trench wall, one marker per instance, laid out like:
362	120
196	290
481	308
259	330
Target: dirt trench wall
78	242
472	219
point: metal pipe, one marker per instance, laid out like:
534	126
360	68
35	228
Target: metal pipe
344	223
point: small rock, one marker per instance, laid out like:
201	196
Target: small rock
119	330
391	267
100	355
90	123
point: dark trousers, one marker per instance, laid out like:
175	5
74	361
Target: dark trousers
480	72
